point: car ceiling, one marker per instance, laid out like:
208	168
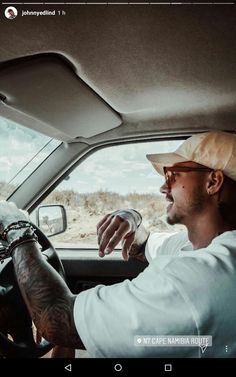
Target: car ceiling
161	68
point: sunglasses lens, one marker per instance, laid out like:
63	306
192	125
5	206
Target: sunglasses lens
170	172
168	179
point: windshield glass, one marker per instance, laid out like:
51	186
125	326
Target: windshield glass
22	150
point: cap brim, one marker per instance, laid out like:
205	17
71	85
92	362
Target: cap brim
160	160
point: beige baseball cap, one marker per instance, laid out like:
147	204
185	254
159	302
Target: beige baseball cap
214	149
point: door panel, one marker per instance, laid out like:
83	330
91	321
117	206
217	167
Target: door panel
85	272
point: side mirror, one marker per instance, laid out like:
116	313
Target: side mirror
51	219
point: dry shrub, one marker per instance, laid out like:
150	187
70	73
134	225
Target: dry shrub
85	210
68	198
100	202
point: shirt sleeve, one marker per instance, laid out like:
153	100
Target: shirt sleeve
109	318
154	244
164	243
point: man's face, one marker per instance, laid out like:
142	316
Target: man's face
11	13
186	194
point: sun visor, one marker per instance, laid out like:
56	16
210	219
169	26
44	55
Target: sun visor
43	92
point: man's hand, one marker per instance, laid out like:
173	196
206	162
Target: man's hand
119	226
9	214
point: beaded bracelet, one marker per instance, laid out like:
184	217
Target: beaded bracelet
7	252
28	235
20	241
15	226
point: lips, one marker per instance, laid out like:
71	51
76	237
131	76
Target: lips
169	206
171	201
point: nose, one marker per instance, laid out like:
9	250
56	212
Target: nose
164	188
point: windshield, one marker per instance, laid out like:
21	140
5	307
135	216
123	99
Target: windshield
22	150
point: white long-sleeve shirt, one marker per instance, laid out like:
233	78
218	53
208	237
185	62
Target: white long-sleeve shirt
182	292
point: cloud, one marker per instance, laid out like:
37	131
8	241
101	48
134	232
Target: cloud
18	145
121	168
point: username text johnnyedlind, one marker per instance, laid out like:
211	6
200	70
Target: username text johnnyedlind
38	13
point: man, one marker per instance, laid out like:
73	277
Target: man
188	288
11	14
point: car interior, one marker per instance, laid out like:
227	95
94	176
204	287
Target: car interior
100	77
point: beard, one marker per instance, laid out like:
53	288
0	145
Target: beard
174	219
180	213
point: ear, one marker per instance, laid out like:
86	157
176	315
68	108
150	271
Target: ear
215	182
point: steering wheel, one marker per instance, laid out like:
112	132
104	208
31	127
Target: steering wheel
23	344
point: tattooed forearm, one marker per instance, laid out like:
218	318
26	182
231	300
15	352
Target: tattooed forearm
48	298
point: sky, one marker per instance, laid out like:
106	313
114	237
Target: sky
18	145
122	169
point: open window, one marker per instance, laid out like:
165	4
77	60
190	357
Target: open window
111	178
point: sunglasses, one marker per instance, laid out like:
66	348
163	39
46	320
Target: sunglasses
169	172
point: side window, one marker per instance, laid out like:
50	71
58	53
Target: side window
112	178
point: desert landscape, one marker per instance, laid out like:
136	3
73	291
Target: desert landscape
85	210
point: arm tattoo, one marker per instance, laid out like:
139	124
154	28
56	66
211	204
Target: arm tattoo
47	296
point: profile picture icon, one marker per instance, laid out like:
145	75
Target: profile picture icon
11	12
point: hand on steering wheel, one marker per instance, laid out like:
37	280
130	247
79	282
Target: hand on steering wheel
15	318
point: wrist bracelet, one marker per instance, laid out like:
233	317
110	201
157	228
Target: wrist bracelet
16	226
140	216
7	252
28	235
129	210
19	242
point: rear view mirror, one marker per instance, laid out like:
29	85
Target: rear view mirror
51	219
